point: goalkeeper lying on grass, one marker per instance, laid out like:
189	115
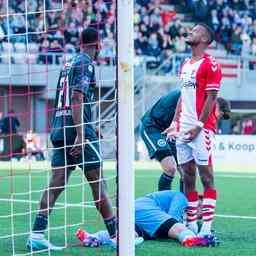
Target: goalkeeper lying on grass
157	215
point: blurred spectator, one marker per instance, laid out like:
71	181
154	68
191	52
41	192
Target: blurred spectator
200	10
246	45
180	44
153	46
44	58
247	127
33	146
141	44
254	46
236	128
236	41
71	34
166	67
10	123
107	54
55	47
1	121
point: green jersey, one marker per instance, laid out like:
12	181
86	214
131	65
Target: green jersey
162	112
77	74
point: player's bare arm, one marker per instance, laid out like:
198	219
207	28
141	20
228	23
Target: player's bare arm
77	108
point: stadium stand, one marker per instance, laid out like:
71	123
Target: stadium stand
62	28
159	29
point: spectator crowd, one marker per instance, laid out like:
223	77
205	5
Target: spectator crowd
158	29
27	25
234	22
158	32
244	126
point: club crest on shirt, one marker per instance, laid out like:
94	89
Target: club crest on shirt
161	143
90	68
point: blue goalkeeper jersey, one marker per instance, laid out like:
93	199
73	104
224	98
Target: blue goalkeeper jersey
77	74
152	210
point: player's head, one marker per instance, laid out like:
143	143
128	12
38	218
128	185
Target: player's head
201	34
223	110
90	41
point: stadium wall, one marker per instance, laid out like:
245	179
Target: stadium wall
235	153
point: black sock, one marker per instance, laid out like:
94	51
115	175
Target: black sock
164	182
181	185
40	223
111	226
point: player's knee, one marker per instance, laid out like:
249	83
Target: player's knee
170	171
93	175
187	176
58	183
44	204
169	166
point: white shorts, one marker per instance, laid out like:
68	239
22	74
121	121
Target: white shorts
199	149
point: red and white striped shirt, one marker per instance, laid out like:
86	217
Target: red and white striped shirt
196	79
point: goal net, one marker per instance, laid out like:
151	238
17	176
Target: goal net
37	37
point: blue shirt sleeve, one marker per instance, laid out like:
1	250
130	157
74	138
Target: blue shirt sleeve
83	76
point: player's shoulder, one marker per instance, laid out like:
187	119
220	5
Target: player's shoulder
210	60
83	61
82	58
210	63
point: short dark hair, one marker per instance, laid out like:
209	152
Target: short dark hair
224	106
89	36
209	30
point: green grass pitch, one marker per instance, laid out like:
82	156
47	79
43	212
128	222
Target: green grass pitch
236	197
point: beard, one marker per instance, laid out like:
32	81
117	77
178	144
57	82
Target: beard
192	43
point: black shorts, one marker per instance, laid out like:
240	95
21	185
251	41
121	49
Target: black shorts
89	160
157	145
161	233
163	230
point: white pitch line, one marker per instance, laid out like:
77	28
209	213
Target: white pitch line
150	175
235	217
88	205
227	216
235	176
216	176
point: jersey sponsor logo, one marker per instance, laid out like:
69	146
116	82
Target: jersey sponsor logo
161	143
189	79
65	112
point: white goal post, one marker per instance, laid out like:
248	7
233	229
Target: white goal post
125	123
